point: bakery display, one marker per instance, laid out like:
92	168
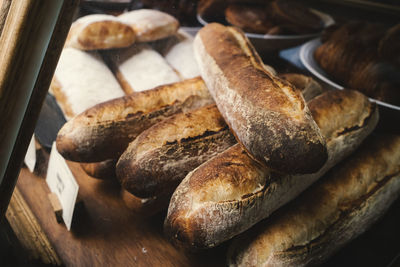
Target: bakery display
355	55
140	68
231	192
204	137
268	116
338	208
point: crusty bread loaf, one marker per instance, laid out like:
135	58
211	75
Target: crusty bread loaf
140	68
93	32
104	170
105	130
161	156
339	207
82	80
231	192
267	115
150	25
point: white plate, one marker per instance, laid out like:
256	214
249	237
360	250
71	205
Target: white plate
307	58
268	42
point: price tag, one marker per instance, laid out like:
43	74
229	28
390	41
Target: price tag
62	182
30	156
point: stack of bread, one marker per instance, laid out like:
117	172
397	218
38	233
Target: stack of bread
235	145
364	56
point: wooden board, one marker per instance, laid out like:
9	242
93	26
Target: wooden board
105	232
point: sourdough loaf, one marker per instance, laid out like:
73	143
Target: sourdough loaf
266	114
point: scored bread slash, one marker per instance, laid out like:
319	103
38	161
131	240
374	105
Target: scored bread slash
150	25
140	68
267	115
99	31
104	131
231	192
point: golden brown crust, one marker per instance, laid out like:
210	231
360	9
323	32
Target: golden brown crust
106	32
335	210
231	192
161	156
104	170
105	130
268	116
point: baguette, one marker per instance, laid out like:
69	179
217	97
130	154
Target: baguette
266	114
82	80
231	192
105	130
93	32
150	25
161	156
342	205
140	68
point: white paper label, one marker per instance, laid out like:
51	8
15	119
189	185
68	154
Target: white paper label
30	156
62	182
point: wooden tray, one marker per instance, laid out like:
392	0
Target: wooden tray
105	232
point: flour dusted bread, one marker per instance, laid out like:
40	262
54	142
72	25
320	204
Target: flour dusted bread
181	56
339	207
82	80
104	131
100	31
140	68
267	115
150	25
231	192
